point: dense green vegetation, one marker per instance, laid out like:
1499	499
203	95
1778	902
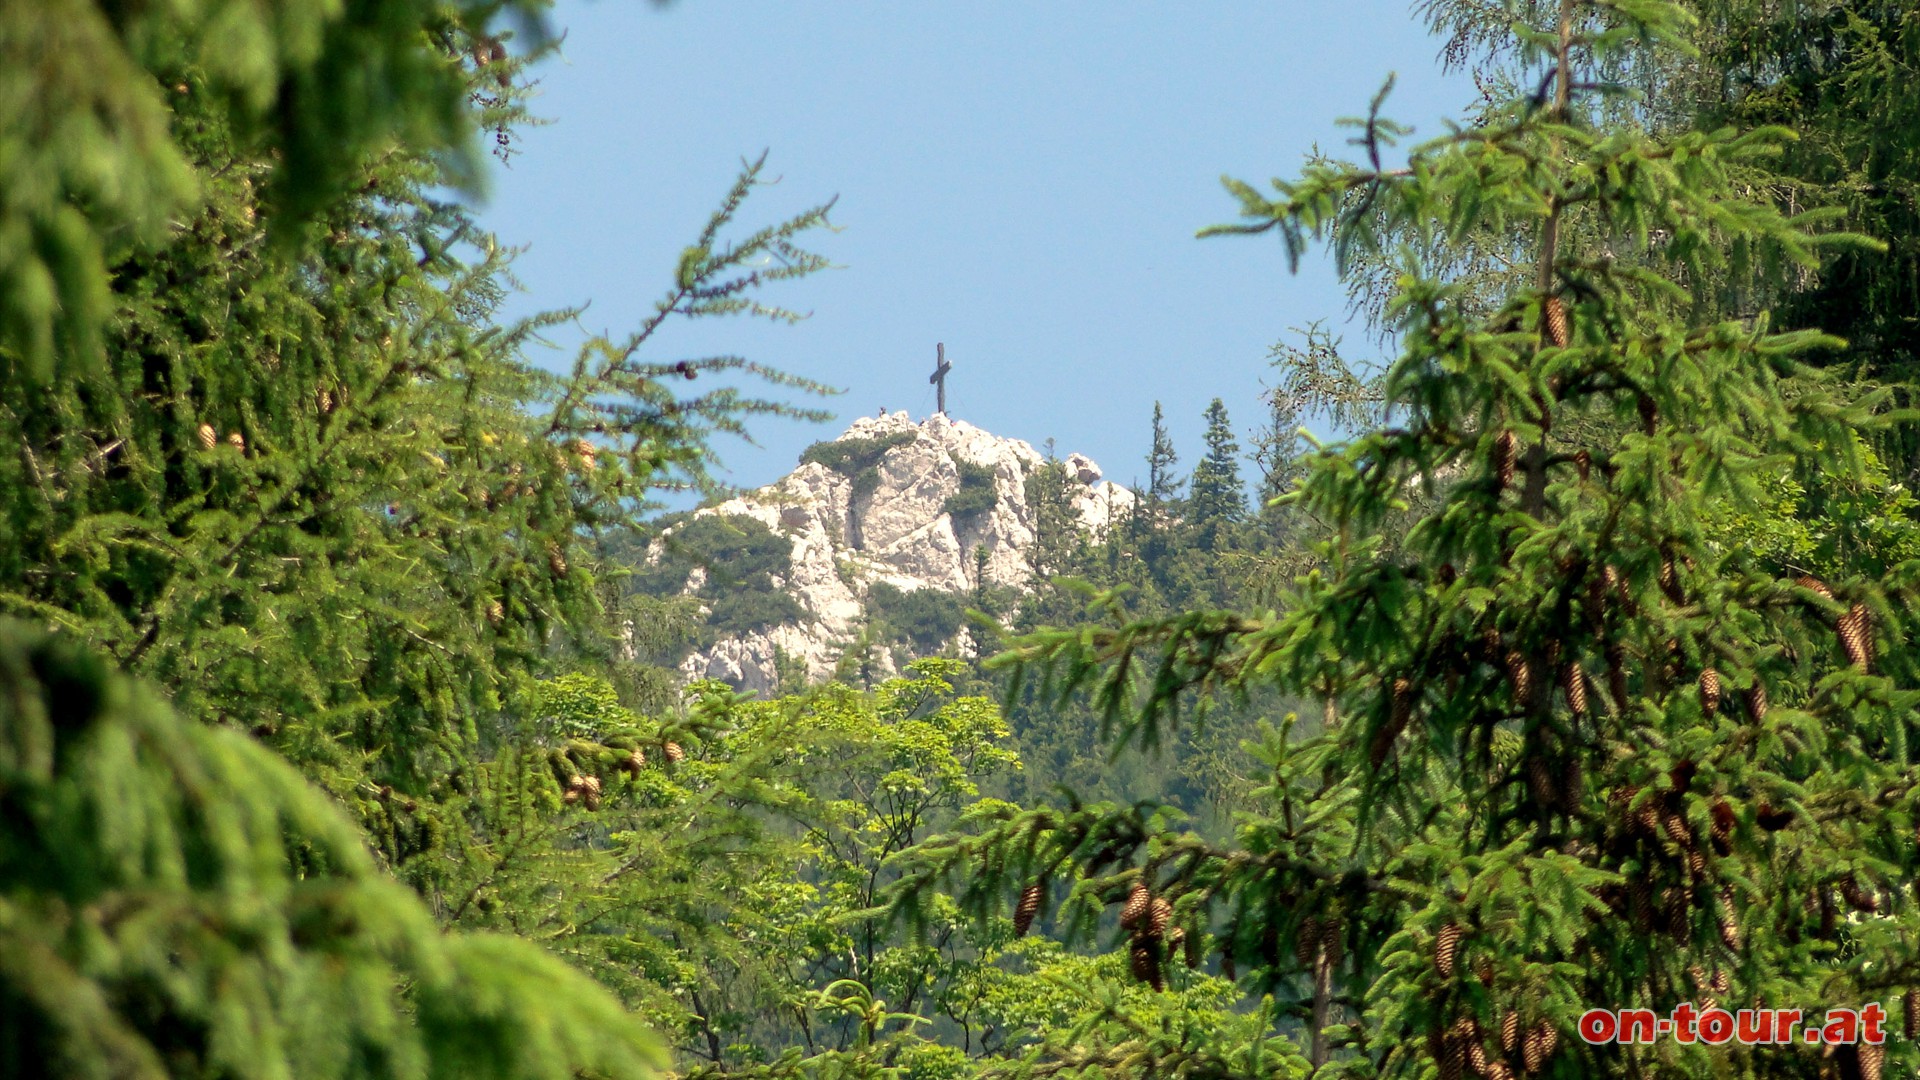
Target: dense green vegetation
339	730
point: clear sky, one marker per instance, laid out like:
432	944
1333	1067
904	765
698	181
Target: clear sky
1021	181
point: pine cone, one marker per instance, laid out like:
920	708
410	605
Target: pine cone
1506	451
1576	684
1910	1021
1556	319
1678	832
1670	579
1873	1059
1583	462
1031	900
1332	941
1861	899
208	437
1856	636
1452	1059
1710	691
1446	950
1521	672
585	451
1720	981
1447	575
1539	1046
495	612
1139	899
1483	970
590	791
1497	1070
237	441
1771	819
556	560
675	755
1509	1032
634	762
325	399
1159	916
1540	783
1145	964
1815	585
1757	701
1306	941
1723	822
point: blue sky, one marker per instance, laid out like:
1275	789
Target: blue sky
1021	181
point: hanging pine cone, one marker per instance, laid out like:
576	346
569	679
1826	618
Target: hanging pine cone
1521	672
1031	899
1771	819
1452	1058
1497	1070
1540	783
1306	941
1861	899
1720	981
556	560
1506	452
325	401
1814	585
1910	1020
1446	950
634	762
590	791
1678	832
1757	701
1509	1032
1710	691
585	451
1139	899
1729	921
1873	1059
1723	822
1557	328
1856	636
1539	1046
576	787
1332	943
1447	575
674	753
208	437
1583	463
1576	686
1649	414
1483	970
1144	962
1670	579
495	612
237	441
1159	916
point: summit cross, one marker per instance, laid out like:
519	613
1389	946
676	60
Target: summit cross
939	377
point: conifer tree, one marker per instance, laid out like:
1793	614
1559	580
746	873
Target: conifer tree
1589	743
1163	485
1216	502
175	901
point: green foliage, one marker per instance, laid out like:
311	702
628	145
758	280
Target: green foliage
308	90
923	620
857	459
179	902
1589	736
738	558
976	496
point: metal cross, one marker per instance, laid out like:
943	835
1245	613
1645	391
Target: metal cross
939	376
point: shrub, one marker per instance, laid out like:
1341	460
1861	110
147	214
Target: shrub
976	496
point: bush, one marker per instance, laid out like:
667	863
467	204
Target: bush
976	496
857	459
925	620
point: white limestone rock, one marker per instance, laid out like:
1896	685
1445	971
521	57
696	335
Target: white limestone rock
898	533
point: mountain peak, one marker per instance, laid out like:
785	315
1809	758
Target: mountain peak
936	504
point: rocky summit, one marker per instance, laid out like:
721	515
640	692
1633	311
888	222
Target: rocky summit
937	504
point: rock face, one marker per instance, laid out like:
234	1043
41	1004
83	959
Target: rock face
847	535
